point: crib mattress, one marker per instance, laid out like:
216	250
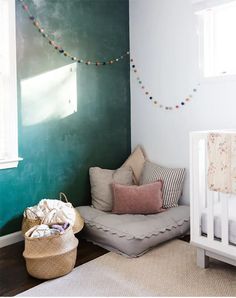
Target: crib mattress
217	220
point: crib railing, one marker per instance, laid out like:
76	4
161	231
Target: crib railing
202	198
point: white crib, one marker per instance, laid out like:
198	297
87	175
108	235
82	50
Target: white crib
213	214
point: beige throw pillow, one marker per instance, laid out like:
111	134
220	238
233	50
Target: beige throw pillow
136	162
101	185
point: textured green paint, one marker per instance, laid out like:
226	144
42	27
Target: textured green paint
58	153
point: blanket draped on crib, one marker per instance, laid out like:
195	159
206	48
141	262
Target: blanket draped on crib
222	162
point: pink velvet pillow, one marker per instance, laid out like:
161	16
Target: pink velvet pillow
144	199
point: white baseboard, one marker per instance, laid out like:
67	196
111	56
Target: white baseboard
11	238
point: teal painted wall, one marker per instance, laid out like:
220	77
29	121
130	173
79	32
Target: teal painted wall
58	152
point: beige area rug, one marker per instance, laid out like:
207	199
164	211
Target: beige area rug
167	270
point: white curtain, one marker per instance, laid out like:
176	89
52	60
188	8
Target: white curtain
4	74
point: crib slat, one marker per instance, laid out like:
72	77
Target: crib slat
202	180
206	175
209	200
225	220
196	191
210	215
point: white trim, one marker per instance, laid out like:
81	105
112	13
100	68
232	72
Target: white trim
9	163
11	239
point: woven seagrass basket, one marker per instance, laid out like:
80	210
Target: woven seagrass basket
30	223
50	257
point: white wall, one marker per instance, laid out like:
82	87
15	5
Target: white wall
164	46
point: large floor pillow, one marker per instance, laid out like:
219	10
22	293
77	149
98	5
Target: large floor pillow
132	235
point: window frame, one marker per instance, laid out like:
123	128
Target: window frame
11	159
199	6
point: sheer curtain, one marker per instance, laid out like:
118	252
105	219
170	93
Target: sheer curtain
4	74
8	87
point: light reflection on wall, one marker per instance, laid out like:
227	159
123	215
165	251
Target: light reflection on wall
49	96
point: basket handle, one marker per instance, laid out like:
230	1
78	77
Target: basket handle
62	197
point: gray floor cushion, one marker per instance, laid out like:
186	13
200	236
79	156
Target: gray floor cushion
132	234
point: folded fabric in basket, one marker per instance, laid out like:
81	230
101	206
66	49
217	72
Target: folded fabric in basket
43	231
52	211
46	231
222	162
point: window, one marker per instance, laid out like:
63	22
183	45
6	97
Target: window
8	96
217	33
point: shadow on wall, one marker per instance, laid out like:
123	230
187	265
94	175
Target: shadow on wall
58	85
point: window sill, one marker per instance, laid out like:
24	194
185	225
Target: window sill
9	163
218	79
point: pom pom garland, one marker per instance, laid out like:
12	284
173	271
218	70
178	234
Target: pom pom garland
60	49
153	99
133	67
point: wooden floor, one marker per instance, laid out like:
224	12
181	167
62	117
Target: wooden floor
14	278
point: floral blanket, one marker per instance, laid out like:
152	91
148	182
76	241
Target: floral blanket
222	162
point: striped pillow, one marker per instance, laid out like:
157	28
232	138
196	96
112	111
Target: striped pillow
172	181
